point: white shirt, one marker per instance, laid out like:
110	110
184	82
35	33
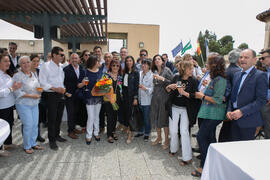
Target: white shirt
14	60
77	71
126	80
7	98
29	86
145	96
197	71
51	75
64	65
102	61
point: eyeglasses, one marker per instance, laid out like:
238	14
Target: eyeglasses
86	54
263	58
115	65
142	54
62	55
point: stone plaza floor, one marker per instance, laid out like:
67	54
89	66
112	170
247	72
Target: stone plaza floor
101	160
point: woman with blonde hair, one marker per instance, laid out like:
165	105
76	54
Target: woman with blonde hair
183	107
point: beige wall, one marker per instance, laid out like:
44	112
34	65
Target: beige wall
148	34
25	48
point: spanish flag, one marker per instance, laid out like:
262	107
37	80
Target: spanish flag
198	48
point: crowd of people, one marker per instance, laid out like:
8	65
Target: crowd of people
172	97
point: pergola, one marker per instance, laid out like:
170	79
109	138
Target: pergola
77	21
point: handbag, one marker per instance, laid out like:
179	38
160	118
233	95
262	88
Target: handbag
136	119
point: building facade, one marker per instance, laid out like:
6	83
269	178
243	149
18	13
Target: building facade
135	37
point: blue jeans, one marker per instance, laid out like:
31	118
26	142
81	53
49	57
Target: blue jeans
206	136
146	120
29	117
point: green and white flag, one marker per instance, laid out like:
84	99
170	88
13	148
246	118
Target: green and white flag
186	47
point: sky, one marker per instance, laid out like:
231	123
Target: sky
182	20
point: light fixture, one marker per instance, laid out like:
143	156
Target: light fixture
141	44
31	43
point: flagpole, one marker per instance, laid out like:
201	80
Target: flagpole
202	59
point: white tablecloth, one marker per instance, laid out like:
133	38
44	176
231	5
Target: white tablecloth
4	131
242	160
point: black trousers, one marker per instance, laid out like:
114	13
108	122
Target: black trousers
55	111
127	107
102	116
72	109
225	134
81	114
43	108
111	118
8	115
265	111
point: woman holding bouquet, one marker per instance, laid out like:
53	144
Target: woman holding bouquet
130	92
111	110
93	103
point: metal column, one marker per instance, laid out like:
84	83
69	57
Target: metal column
47	43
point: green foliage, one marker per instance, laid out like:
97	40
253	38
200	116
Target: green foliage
222	46
243	46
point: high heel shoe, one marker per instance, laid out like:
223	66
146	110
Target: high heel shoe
156	142
165	145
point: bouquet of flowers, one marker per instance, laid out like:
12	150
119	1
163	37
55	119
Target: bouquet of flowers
104	88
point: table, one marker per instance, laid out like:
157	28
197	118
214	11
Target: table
4	131
241	160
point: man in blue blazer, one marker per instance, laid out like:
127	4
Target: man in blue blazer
248	95
72	74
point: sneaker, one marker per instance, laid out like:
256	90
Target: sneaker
138	135
146	138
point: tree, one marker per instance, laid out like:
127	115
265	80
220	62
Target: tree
222	46
226	44
243	46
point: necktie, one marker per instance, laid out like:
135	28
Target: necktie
236	88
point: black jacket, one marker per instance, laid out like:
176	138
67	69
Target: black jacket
133	84
170	65
12	69
71	80
192	104
230	71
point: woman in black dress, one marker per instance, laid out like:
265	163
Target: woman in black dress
130	92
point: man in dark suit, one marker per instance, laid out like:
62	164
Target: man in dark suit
225	132
72	74
248	95
14	65
265	59
167	62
